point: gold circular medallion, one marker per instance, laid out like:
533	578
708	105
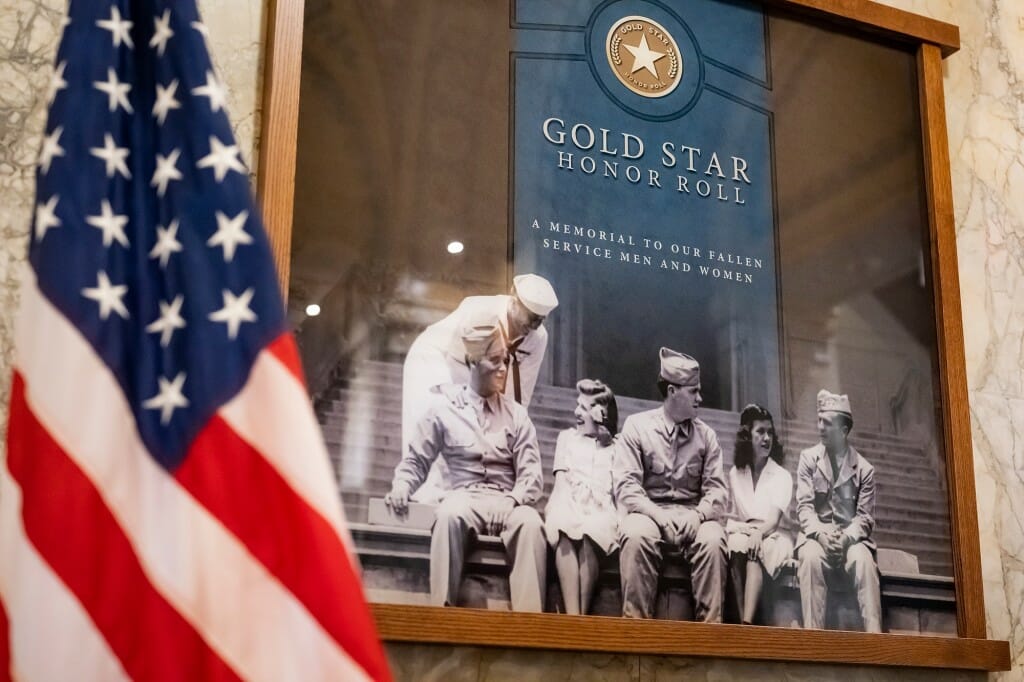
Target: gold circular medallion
644	57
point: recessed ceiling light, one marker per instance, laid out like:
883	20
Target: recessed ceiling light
455	247
312	310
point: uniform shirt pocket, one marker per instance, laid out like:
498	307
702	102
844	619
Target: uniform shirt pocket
654	463
688	476
459	437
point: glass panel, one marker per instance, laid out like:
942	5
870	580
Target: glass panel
738	186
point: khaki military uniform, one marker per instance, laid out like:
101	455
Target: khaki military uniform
490	447
677	468
843	499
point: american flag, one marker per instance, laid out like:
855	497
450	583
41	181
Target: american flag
166	505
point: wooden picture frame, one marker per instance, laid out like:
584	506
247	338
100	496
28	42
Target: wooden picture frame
932	40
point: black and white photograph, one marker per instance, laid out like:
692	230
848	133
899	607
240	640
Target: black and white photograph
590	328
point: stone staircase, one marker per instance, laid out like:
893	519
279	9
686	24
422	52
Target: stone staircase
361	422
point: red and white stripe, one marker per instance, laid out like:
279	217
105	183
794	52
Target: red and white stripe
238	565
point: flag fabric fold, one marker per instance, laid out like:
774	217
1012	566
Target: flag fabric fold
167	510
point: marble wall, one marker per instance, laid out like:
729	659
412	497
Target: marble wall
985	109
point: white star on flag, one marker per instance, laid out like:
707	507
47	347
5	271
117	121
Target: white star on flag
117	92
111	224
51	148
57	82
166	170
213	90
230	233
119	30
235	311
113	155
165	101
46	217
168	398
221	158
161	32
166	243
107	295
644	57
169	320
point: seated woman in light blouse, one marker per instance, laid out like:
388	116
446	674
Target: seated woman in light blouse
580	515
760	491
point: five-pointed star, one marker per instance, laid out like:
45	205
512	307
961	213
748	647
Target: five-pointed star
235	311
166	243
119	30
166	170
165	101
117	92
57	82
644	57
113	155
230	233
221	158
107	295
111	224
168	398
169	320
161	32
212	90
46	217
51	148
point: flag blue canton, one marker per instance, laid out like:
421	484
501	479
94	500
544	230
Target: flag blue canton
145	235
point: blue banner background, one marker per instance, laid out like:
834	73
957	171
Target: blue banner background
614	313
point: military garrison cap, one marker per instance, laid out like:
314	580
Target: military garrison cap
833	402
482	334
679	368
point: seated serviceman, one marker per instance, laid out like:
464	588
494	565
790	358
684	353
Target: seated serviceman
669	481
490	447
835	495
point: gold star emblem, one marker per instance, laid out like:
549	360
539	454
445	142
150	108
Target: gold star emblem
644	56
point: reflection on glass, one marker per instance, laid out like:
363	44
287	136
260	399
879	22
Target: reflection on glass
417	174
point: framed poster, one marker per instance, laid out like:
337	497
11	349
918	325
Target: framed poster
642	309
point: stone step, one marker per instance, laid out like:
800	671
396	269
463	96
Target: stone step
380	374
350	411
336	426
560	414
901	512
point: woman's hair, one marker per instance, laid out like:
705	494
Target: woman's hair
601	394
743	451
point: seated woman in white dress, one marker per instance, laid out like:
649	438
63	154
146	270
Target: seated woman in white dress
760	491
580	515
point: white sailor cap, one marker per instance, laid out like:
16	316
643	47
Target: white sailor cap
536	294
